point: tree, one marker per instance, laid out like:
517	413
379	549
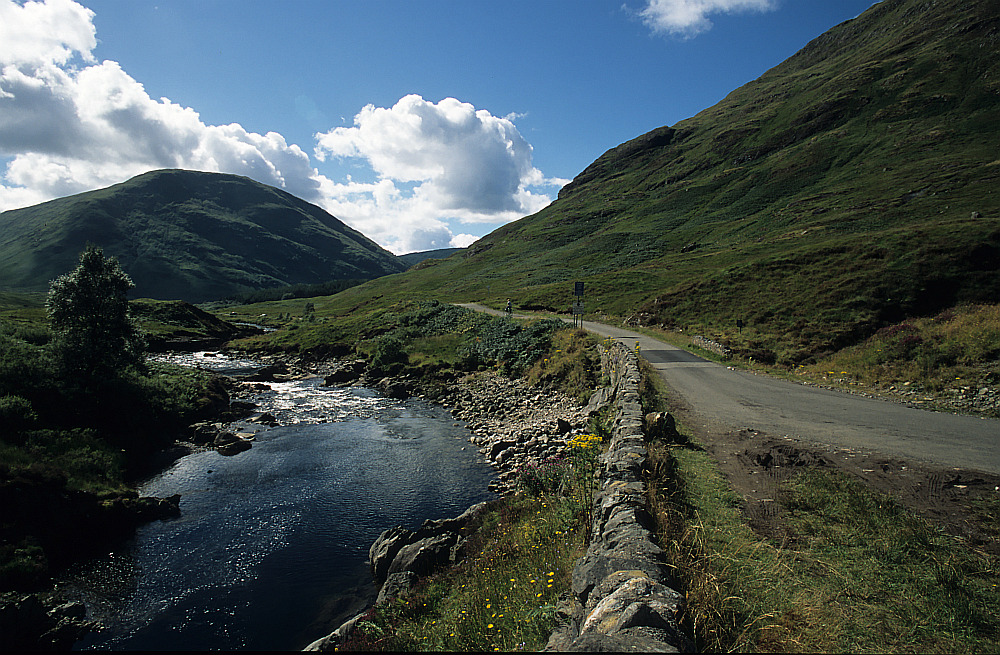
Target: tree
88	309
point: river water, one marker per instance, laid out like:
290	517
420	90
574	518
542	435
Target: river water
271	549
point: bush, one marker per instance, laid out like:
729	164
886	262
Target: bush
544	478
388	350
513	347
16	415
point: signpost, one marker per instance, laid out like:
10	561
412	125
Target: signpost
578	304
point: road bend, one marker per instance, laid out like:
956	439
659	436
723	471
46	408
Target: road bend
728	399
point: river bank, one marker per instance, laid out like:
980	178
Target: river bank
290	518
511	425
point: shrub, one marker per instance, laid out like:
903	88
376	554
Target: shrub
546	477
16	415
388	350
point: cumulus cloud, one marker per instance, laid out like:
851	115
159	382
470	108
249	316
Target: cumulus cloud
462	163
41	32
69	124
67	128
690	17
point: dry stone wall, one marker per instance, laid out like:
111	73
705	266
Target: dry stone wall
622	597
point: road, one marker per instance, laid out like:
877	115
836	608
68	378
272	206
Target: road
727	399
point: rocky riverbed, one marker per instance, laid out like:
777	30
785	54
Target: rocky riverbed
513	425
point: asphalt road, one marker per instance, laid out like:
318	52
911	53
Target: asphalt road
726	399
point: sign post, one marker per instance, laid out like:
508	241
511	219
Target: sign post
578	304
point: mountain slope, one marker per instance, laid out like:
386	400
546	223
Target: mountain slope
847	188
188	235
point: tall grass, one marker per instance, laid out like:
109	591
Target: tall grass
854	571
957	347
520	559
502	597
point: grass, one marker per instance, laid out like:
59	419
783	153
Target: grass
959	347
501	598
521	555
856	572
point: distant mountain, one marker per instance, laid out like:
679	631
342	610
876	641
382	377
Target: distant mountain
414	258
853	185
188	235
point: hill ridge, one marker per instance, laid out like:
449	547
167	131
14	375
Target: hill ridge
189	235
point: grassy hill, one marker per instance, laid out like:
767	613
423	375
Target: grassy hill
414	258
851	186
188	235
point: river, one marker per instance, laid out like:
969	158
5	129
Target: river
271	549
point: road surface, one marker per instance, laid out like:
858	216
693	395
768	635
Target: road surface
726	399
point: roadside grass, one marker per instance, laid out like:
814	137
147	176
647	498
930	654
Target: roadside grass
520	558
732	579
951	354
854	571
957	347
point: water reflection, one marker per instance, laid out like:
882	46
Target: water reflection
270	550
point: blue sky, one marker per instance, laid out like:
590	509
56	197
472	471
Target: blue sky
421	123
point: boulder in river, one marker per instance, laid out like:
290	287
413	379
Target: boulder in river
228	443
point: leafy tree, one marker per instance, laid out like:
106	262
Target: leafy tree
88	308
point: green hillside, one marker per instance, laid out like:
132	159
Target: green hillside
414	258
188	235
851	186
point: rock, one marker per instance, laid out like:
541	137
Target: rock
622	643
661	425
230	444
395	389
598	400
425	555
204	432
334	639
268	373
500	447
435	542
342	376
26	625
396	584
383	551
267	419
225	437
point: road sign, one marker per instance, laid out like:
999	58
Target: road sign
577	307
578	289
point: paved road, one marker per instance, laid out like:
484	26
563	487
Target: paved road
730	399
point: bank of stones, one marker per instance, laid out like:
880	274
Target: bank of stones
622	597
513	425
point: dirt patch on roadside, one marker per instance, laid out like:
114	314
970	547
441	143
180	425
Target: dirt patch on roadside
756	464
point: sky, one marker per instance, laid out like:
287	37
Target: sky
423	124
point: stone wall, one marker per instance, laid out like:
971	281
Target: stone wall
622	598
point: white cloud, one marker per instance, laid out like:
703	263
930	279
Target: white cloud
67	129
466	164
70	124
690	17
41	32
